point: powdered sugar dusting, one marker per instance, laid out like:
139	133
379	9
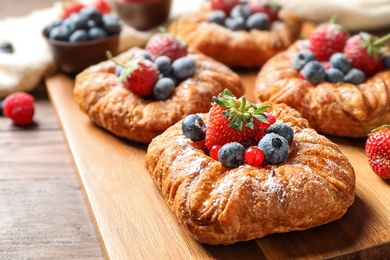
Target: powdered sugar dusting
272	185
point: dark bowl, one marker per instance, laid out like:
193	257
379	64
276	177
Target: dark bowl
142	15
73	58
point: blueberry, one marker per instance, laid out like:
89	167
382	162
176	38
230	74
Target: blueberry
241	10
96	33
79	36
217	17
235	24
173	78
1	107
231	154
144	54
303	57
334	75
355	76
163	89
6	47
111	24
59	33
193	127
56	23
79	21
314	72
91	13
386	61
275	148
282	129
163	64
341	62
183	68
259	21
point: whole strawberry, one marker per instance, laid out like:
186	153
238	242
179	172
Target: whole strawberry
224	5
19	107
165	44
233	120
365	51
102	5
327	39
138	75
269	7
69	7
378	151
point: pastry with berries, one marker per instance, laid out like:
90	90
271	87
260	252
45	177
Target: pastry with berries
339	82
239	33
141	92
243	171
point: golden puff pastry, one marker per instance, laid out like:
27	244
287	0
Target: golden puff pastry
339	109
245	49
103	98
220	205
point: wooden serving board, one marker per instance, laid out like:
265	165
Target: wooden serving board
134	222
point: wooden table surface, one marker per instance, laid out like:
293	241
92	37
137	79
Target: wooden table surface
43	214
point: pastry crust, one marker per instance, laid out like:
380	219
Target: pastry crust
339	109
219	205
102	97
236	49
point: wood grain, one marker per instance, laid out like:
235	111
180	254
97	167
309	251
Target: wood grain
134	222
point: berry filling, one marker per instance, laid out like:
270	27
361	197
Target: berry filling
244	15
238	132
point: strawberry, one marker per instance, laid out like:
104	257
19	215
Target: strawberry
224	5
365	51
70	7
138	75
269	7
165	44
233	120
102	5
327	39
378	151
19	107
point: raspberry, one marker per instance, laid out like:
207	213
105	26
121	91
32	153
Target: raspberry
19	107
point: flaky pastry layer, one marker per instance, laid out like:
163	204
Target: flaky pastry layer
339	109
101	95
219	205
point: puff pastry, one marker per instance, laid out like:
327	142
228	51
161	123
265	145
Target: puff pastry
102	97
339	109
236	48
220	205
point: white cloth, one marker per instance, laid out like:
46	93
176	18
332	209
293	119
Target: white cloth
354	15
32	60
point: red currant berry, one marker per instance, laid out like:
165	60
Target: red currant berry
214	151
254	156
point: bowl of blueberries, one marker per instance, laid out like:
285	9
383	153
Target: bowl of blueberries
82	38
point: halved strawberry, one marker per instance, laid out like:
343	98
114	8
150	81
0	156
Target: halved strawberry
378	151
233	120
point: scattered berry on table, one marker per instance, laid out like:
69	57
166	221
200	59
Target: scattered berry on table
355	76
275	148
254	156
314	72
327	39
303	57
193	127
378	151
334	75
165	44
19	107
6	47
282	129
163	89
231	154
259	21
183	68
